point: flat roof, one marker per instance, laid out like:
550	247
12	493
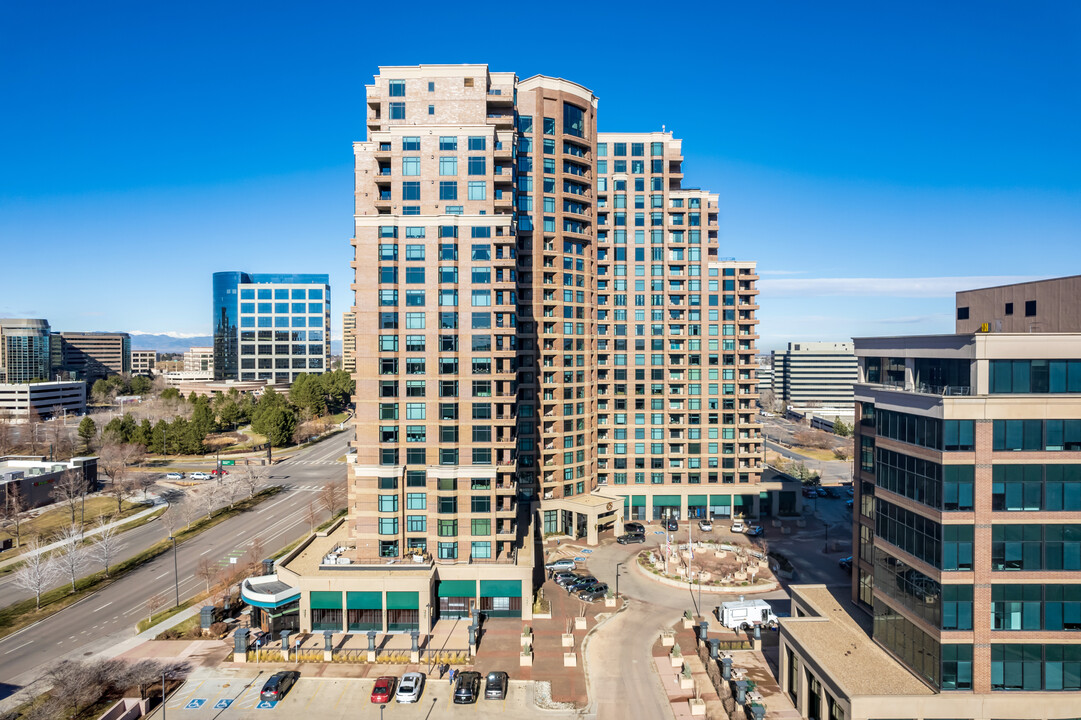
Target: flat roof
844	650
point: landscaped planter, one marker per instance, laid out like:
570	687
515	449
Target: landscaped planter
525	659
686	681
676	660
579	623
610	602
698	707
668	638
570	659
527	638
567	639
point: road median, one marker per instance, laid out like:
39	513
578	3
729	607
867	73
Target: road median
23	614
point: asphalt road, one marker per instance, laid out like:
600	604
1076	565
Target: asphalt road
109	615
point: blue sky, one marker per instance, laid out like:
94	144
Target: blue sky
873	159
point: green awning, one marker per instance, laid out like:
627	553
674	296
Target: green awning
665	500
321	600
696	499
501	588
638	501
742	500
721	500
403	601
457	588
764	495
364	600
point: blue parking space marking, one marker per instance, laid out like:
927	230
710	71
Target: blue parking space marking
195	703
223	703
586	551
579	559
266	705
658	532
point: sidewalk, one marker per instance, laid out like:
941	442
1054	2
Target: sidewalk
156	501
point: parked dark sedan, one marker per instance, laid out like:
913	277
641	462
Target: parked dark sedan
634	528
671	525
594	592
580	583
467	688
277	685
630	538
565	577
495	686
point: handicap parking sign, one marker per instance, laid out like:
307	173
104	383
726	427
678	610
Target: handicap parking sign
267	705
223	703
658	532
586	551
579	559
195	703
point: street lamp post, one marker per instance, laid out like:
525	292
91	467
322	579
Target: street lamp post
163	695
176	573
618	566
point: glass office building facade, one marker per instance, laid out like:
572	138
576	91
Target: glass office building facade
270	327
25	350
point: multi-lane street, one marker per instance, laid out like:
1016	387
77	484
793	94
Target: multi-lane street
110	614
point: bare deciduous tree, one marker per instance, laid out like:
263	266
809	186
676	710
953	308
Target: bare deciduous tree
170	521
251	477
330	497
77	685
147	673
311	515
38	570
188	508
60	437
145	482
69	488
208	498
7	433
32	424
105	545
231	490
115	458
207	570
254	556
70	555
12	514
154	603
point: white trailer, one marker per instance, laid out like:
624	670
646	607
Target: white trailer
743	614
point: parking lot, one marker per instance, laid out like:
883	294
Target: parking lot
222	697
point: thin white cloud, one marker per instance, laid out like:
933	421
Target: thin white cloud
782	272
912	287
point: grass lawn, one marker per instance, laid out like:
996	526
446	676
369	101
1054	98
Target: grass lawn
815	453
50	522
338	417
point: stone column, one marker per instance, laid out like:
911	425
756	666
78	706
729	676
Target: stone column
591	529
328	646
414	653
371	646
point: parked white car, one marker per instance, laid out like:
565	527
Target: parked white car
705	526
410	688
199	476
738	526
175	476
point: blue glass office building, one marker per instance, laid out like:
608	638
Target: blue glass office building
270	326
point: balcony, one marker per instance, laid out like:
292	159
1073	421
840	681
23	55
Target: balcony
924	389
500	119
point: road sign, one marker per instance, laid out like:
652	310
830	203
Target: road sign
223	703
267	705
195	703
228	462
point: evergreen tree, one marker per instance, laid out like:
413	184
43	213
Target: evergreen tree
87	430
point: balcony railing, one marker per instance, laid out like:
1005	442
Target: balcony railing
925	389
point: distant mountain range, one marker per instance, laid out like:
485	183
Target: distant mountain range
169	344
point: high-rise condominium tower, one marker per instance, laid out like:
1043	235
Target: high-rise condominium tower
545	307
548	338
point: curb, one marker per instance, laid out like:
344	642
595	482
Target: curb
590	710
706	589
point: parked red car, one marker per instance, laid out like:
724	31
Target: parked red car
383	690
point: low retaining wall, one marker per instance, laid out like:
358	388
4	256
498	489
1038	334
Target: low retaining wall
707	589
